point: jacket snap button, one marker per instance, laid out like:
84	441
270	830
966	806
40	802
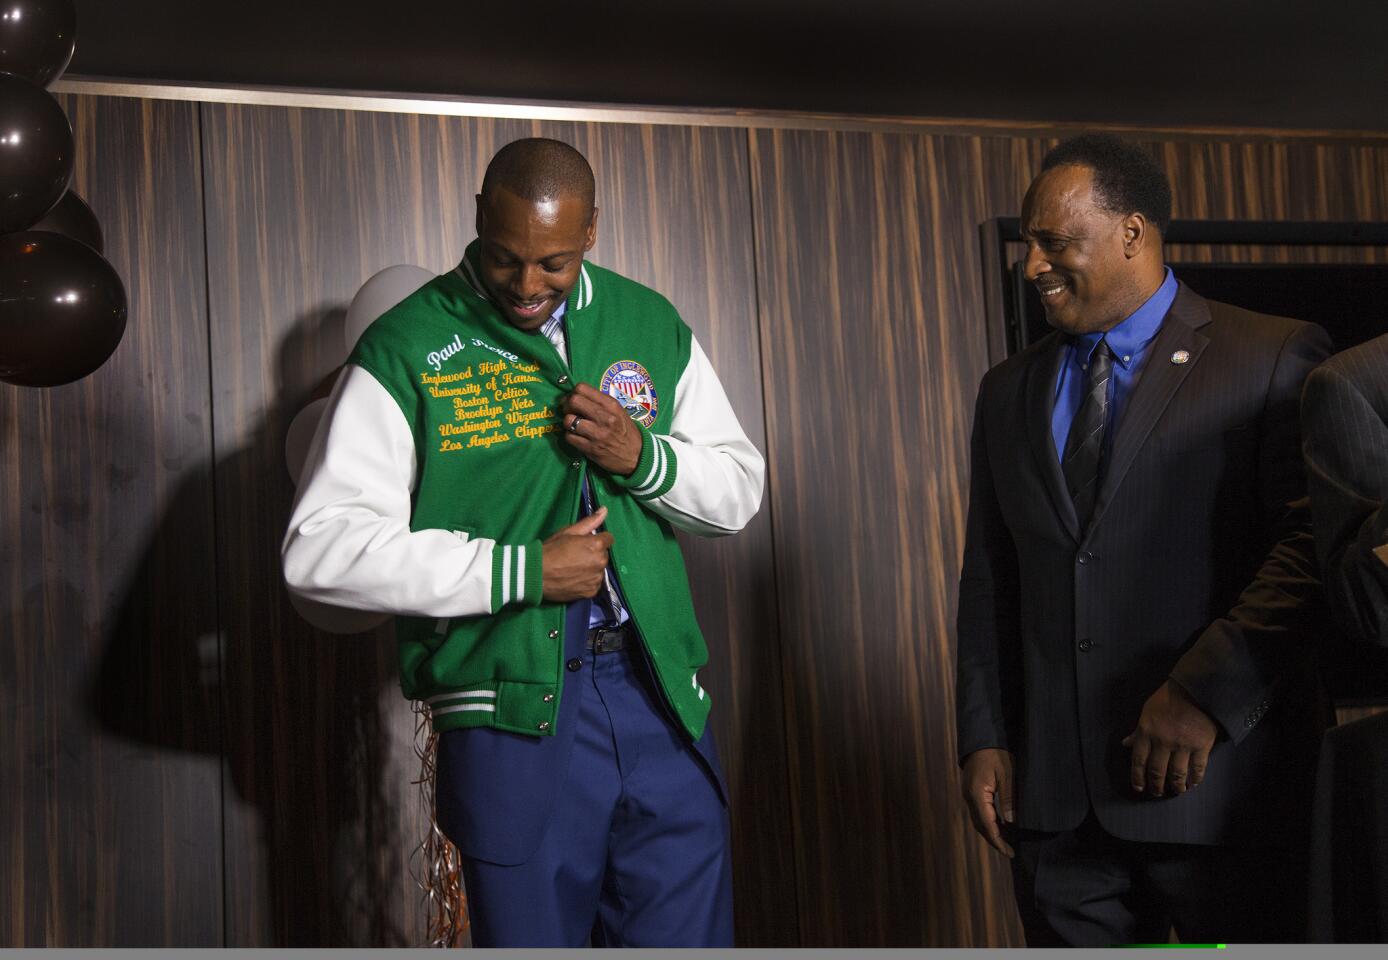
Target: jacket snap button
549	698
544	724
1085	645
553	634
563	379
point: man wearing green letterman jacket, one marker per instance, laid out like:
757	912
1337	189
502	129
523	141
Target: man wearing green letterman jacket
502	465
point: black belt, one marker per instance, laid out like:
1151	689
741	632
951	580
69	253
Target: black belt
607	639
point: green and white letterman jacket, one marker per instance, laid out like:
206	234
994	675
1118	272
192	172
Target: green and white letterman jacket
438	469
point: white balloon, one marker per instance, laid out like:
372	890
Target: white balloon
377	295
337	619
300	436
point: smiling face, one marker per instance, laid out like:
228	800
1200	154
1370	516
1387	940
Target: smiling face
1085	261
531	252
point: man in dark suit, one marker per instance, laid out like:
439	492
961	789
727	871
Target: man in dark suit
1138	592
1344	421
1345	439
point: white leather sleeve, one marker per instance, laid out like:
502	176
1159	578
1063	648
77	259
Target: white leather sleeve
719	473
349	542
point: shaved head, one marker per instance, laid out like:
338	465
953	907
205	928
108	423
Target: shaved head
538	170
535	221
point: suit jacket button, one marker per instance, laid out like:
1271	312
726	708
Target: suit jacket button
1085	557
1085	645
574	664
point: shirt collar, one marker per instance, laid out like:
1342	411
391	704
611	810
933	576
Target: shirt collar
1127	340
555	321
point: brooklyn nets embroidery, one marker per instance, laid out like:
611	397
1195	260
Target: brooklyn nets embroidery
627	382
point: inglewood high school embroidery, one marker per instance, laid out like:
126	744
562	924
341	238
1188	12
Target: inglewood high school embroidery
627	382
489	399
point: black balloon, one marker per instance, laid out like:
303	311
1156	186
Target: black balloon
62	309
73	218
35	153
37	38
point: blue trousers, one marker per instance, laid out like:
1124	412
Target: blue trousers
634	849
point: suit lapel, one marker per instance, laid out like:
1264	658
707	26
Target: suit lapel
1040	402
1161	377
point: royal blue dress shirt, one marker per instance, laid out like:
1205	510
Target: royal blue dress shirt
1129	343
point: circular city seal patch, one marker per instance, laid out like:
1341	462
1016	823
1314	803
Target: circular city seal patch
627	382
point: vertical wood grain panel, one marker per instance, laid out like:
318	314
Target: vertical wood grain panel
303	205
1276	181
110	826
870	354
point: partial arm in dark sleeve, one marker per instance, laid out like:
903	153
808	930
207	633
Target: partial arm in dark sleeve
1232	669
988	696
1345	441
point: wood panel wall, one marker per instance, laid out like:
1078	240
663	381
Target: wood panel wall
192	764
871	354
110	794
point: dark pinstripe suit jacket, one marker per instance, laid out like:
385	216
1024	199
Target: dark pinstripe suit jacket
1197	565
1344	417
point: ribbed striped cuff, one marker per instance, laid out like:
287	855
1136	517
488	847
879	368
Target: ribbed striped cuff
517	574
655	469
478	699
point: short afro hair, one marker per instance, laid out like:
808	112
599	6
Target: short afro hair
1127	179
537	169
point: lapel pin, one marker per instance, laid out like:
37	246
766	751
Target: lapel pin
1180	356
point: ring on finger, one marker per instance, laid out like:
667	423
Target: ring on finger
573	427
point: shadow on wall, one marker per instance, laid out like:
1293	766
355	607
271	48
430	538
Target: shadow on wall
317	821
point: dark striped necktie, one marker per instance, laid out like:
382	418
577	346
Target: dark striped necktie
1084	446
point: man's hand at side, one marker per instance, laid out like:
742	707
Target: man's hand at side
606	434
987	781
1172	743
574	559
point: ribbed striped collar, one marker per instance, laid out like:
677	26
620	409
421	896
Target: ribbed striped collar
580	297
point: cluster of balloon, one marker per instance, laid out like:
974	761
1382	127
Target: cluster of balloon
377	295
62	306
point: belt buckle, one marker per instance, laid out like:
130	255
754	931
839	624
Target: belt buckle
608	639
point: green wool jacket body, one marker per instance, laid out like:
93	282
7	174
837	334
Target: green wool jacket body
439	469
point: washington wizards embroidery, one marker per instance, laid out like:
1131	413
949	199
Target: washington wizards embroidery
627	382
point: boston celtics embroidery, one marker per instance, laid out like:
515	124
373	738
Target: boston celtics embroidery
627	382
